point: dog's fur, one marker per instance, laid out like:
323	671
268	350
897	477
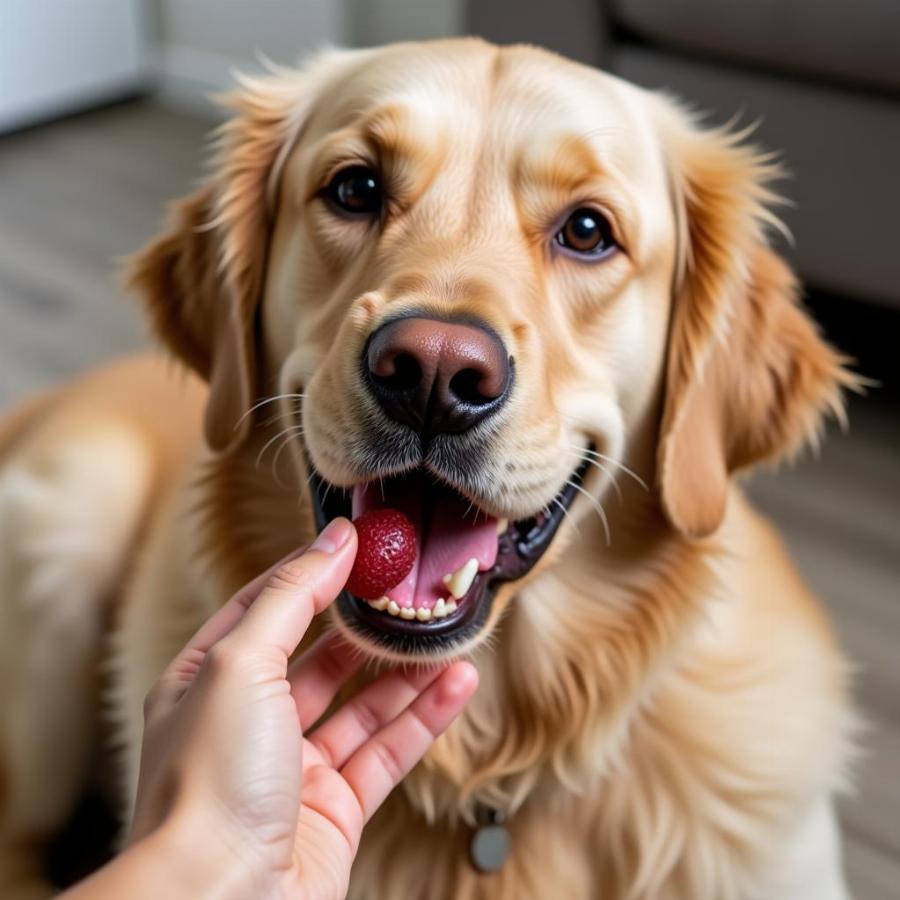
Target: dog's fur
663	712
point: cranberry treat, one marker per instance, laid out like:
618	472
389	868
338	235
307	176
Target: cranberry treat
386	554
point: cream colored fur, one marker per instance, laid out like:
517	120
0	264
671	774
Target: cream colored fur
663	711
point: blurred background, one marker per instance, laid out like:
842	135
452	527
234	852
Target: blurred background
104	108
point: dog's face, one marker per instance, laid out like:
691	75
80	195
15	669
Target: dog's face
468	284
478	278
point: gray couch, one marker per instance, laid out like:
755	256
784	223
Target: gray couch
822	75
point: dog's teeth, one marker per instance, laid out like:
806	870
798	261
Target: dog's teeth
502	525
447	577
440	609
423	615
451	607
393	608
407	612
381	604
461	580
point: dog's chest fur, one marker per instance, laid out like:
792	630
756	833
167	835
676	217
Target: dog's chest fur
626	758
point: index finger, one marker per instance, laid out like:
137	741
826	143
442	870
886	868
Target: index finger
297	590
223	621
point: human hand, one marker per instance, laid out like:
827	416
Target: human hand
229	777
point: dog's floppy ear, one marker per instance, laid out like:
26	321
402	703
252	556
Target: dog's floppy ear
203	277
200	314
748	378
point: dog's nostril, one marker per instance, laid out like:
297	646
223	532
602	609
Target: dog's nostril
465	386
437	377
405	374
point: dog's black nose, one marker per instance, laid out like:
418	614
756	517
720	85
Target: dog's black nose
437	377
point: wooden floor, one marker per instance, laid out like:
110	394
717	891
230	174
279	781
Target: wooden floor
79	193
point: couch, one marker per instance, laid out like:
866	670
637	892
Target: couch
822	76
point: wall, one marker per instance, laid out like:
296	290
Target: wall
57	57
200	42
370	22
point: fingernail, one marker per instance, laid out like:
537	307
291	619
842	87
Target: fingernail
333	536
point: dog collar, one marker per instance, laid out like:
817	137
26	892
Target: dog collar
490	844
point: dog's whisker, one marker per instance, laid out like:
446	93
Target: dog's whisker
597	506
276	477
567	515
618	465
265	401
606	472
596	455
293	429
285	414
285	443
612	478
598	465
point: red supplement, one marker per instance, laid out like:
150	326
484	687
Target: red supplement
387	552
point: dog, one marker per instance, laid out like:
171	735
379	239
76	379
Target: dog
533	307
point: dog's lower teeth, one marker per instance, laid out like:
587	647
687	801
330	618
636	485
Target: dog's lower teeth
440	610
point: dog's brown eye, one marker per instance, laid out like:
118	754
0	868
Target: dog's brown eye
587	232
356	190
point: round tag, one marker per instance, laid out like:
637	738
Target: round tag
489	848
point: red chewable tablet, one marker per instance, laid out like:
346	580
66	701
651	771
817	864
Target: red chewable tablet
386	554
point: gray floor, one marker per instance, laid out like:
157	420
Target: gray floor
79	193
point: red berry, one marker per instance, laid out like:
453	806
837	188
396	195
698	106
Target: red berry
387	551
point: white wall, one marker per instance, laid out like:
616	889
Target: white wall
200	42
57	56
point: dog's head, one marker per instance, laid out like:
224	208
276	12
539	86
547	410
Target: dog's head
484	283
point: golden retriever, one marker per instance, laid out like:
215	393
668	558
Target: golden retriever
532	306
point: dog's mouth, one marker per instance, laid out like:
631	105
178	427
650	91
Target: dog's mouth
464	556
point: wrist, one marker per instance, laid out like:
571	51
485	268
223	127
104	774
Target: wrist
178	861
205	862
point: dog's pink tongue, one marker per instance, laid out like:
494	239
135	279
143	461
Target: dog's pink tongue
449	533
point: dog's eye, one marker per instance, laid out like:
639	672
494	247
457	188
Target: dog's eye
356	189
587	232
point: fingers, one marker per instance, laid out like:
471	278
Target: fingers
299	589
224	620
381	763
319	674
289	594
369	711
